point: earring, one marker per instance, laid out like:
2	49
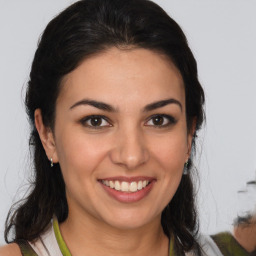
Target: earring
185	170
51	162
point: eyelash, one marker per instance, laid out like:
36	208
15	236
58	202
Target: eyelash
90	118
167	120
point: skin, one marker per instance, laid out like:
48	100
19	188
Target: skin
10	250
128	143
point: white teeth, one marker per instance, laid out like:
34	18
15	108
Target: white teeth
140	185
125	186
133	186
117	185
111	184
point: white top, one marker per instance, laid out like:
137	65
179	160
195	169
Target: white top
46	244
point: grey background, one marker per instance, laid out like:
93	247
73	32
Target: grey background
222	35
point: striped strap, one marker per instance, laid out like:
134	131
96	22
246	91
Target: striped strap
25	248
171	253
63	247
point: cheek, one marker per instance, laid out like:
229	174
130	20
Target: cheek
79	154
171	152
170	157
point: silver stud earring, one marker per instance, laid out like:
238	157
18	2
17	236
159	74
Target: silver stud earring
185	170
51	162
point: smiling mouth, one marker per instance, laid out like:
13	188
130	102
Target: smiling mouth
124	186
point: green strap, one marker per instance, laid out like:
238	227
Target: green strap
25	248
63	247
171	253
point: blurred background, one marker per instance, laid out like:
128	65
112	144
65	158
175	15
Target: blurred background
222	36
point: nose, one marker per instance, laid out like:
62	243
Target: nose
129	150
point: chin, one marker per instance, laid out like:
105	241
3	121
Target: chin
127	220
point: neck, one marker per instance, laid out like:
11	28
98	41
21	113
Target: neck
89	236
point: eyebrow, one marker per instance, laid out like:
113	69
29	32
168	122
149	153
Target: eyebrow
96	104
161	103
109	108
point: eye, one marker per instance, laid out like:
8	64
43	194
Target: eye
95	122
161	120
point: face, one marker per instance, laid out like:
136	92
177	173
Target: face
121	137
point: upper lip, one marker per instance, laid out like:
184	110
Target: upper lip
129	179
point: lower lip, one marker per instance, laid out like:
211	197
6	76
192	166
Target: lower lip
130	197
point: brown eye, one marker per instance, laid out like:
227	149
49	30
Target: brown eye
158	120
95	122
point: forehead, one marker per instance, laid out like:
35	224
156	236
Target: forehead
123	76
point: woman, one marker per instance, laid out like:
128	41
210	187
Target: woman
115	105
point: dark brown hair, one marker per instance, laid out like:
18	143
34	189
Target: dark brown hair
86	28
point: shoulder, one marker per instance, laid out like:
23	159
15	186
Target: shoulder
10	250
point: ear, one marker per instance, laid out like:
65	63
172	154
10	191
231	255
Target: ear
46	136
190	137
